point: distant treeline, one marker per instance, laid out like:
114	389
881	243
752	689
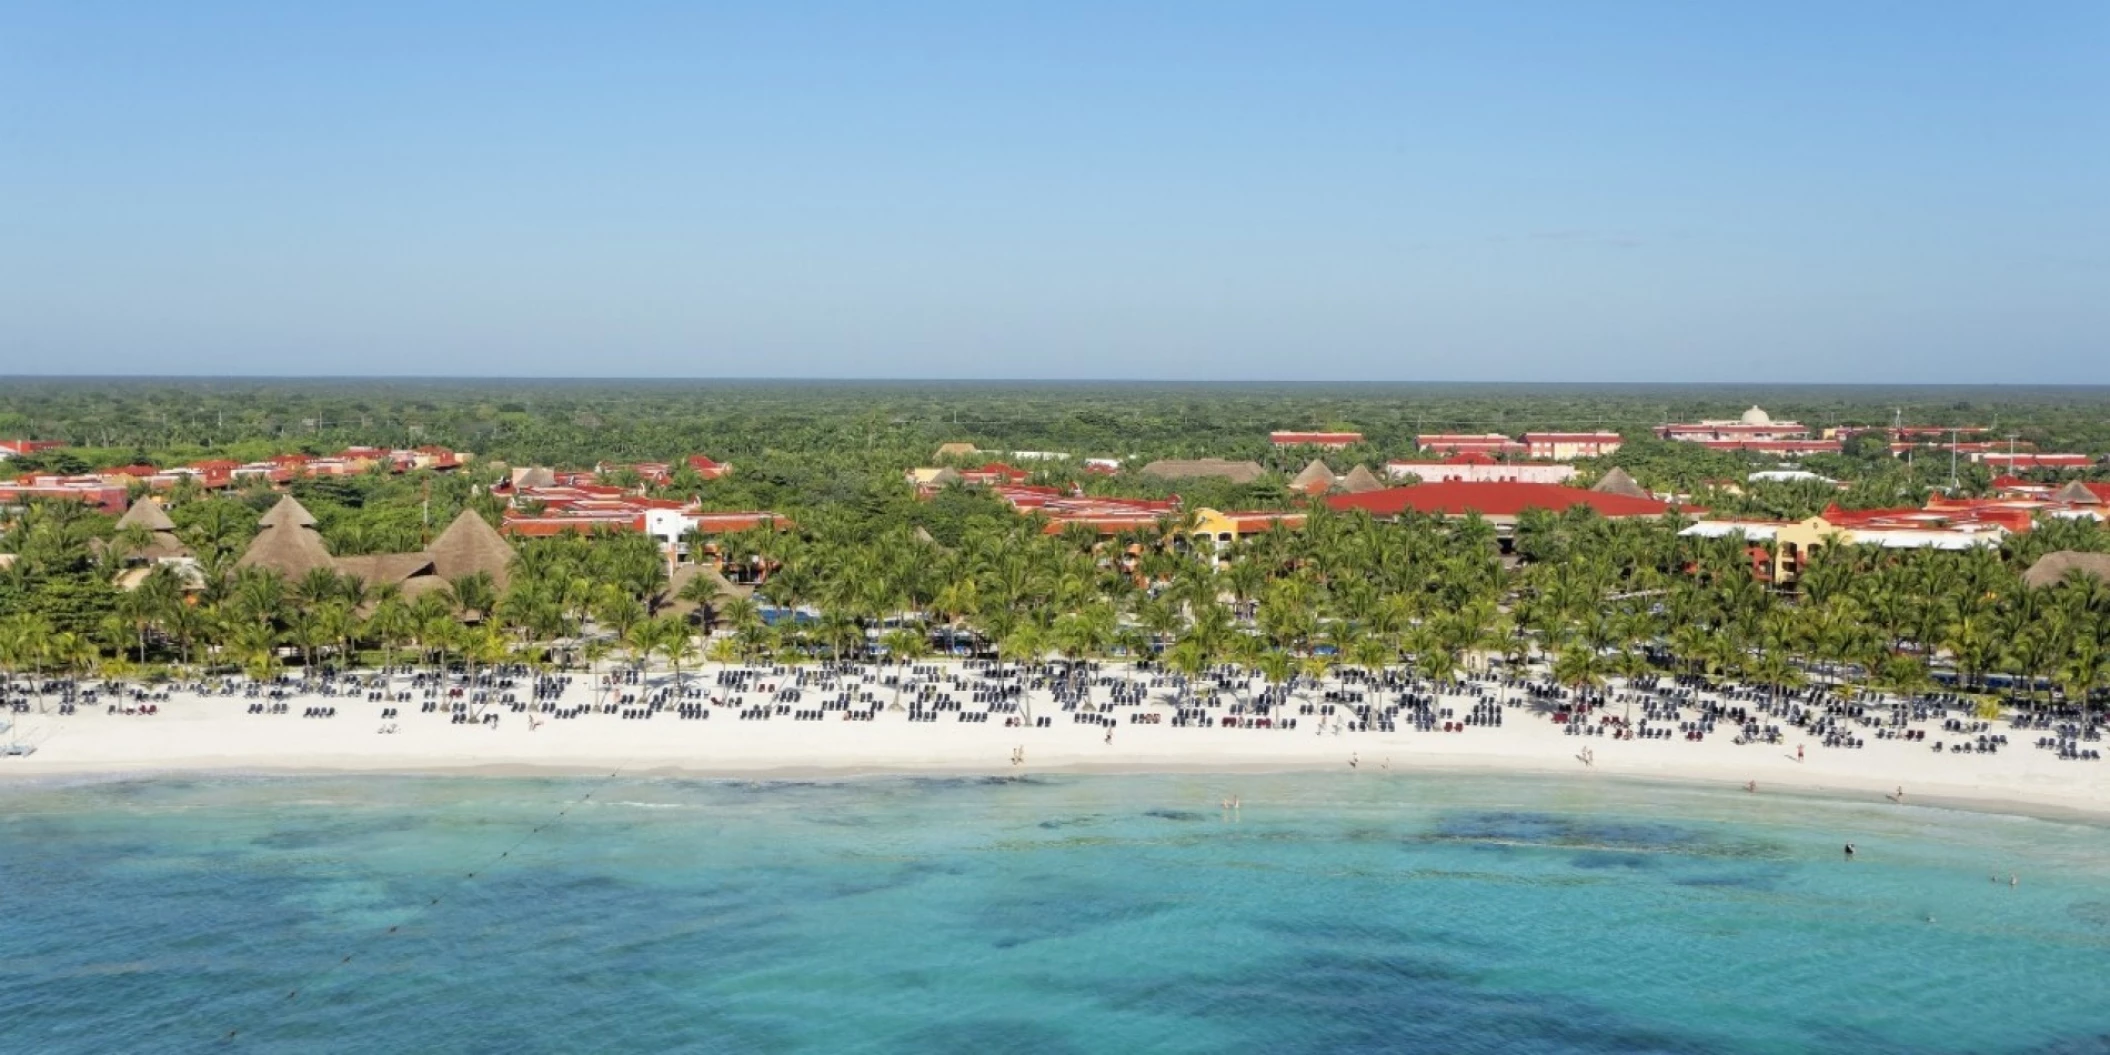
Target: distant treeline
578	423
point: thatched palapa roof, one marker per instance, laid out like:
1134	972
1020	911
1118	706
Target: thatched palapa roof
470	545
148	514
287	512
2052	568
288	543
382	569
1618	482
1360	480
1316	478
530	476
162	543
1195	468
2077	493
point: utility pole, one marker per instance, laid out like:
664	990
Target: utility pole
1952	461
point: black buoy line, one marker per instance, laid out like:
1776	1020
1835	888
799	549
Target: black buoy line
420	911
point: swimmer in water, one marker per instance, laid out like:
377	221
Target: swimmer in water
1751	786
1849	850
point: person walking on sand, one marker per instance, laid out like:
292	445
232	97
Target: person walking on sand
1351	761
1798	752
1109	737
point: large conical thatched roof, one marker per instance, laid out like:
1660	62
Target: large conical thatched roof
2074	493
2051	568
470	545
148	514
287	512
1618	482
289	544
382	569
1315	478
1360	480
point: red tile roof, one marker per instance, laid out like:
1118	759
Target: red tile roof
1457	497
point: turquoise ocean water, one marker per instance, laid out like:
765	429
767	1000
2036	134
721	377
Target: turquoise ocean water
1059	914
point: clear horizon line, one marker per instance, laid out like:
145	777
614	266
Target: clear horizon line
1140	381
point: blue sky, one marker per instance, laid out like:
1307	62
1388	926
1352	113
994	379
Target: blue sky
1592	191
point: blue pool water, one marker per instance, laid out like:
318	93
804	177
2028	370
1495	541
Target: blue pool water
1062	914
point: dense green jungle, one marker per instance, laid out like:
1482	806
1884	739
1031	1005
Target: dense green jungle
887	572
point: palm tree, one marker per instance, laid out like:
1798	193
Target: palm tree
743	617
1024	646
391	623
475	592
1578	667
619	612
1971	643
319	586
25	640
640	641
702	591
147	603
677	643
594	651
2085	670
1278	669
127	542
1187	657
903	647
259	595
481	646
307	631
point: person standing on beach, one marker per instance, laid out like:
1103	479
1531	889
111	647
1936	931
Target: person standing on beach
1798	752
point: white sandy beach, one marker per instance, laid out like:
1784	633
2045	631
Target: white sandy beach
217	734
